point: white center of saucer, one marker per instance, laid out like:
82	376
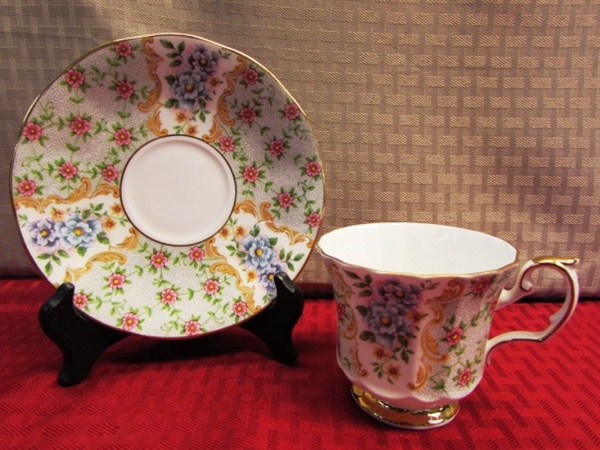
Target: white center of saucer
178	190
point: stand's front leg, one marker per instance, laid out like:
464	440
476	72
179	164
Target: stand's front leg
81	340
274	325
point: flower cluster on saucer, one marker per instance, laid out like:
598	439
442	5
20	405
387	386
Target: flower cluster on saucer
191	85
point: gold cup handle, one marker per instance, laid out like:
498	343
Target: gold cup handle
565	266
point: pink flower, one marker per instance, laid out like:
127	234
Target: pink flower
123	49
250	76
68	170
122	136
248	115
32	131
285	199
465	377
168	296
196	253
211	286
240	308
291	111
313	168
226	144
251	174
313	219
110	173
392	371
381	353
130	321
74	78
116	281
158	260
124	88
192	327
480	285
454	336
276	147
27	188
182	116
80	300
79	125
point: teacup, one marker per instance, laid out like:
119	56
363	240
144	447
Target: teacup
415	305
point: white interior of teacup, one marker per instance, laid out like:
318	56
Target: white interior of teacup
417	248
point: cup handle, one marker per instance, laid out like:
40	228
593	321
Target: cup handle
567	267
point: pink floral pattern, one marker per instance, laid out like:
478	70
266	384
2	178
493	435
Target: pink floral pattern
32	131
75	145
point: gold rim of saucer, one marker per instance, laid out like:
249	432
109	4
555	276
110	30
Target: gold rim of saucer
411	419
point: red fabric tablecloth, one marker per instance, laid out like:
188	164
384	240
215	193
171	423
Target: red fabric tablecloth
223	391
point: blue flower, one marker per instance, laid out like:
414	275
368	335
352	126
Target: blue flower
386	320
203	60
267	276
404	296
45	233
259	253
188	87
78	232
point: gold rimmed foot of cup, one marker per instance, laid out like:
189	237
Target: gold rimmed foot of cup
412	419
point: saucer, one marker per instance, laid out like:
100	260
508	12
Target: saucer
169	178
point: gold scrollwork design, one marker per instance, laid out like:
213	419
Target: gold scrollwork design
223	114
455	290
154	124
152	60
360	369
130	242
422	376
294	236
83	191
72	275
247	292
428	342
211	249
246	206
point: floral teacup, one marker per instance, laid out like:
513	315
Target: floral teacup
415	305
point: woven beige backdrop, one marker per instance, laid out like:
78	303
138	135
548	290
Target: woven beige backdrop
476	113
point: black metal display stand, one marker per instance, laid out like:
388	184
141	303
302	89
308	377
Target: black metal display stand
82	340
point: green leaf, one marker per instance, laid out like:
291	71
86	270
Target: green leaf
352	275
367	336
366	293
175	63
363	310
167	44
171	103
72	147
181	47
48	269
